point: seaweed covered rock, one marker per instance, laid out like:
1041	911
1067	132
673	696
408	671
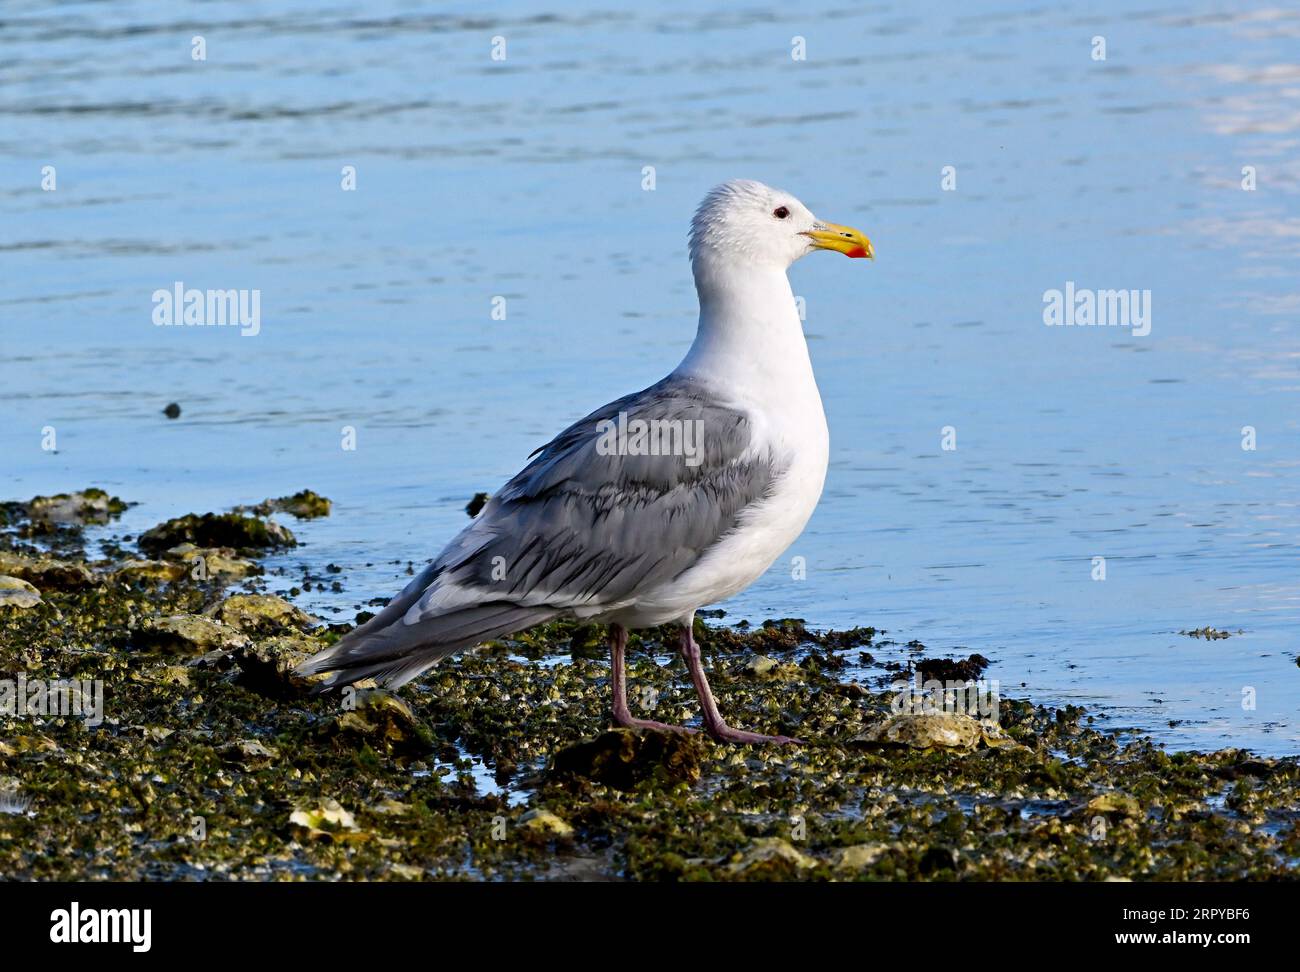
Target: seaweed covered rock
45	572
232	530
304	504
267	665
382	721
622	758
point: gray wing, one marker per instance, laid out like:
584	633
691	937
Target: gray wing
581	528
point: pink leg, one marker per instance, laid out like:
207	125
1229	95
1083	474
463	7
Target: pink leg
618	678
713	721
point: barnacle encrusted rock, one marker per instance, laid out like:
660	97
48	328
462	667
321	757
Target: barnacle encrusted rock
260	613
46	572
18	593
191	633
933	730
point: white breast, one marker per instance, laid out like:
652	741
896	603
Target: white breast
750	349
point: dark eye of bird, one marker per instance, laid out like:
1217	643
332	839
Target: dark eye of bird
780	212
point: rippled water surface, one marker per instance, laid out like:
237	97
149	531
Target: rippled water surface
523	179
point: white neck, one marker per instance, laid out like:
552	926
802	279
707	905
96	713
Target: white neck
750	339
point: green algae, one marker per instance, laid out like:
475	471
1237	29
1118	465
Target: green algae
214	762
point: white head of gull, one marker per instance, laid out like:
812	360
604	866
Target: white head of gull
657	504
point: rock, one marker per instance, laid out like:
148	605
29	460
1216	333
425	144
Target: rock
155	571
216	530
938	859
925	730
768	669
189	633
249	754
1208	633
87	506
760	665
545	824
170	675
327	820
860	856
770	857
18	593
267	665
622	758
385	723
208	562
172	410
46	573
304	504
260	613
1113	803
952	670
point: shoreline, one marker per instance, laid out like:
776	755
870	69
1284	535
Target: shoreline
213	762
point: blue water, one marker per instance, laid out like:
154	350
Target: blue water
523	178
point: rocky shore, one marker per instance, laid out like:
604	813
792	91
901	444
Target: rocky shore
209	759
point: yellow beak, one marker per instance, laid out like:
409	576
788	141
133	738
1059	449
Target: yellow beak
842	239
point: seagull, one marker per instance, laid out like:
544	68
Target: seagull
657	504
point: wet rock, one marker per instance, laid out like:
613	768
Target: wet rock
623	758
928	730
87	506
304	504
217	530
938	859
767	668
150	571
543	823
189	633
46	573
329	819
249	754
167	675
770	858
1113	804
260	614
1208	633
205	562
384	722
267	665
18	593
860	856
952	669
